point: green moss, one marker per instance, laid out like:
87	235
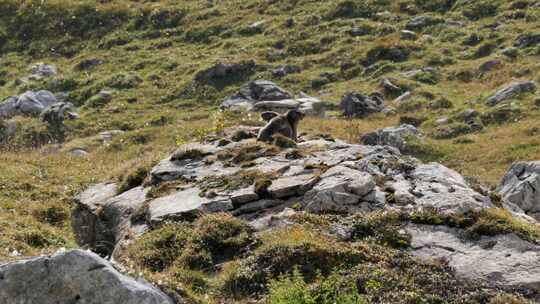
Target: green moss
283	142
286	250
294	290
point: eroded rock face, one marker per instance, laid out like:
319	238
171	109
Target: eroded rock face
520	188
73	277
503	260
102	219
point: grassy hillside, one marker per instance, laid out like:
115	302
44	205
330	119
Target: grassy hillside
151	52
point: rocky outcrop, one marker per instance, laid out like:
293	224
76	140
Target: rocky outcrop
263	95
520	188
502	261
393	136
358	105
511	91
73	277
252	179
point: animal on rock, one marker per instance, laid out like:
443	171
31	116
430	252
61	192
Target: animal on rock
284	124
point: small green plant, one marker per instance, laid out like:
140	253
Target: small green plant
293	289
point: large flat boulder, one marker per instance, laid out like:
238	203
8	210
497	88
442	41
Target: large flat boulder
186	204
502	261
75	276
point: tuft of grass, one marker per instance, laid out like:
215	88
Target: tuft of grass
133	179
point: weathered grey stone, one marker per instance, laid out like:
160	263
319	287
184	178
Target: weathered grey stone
292	185
74	276
390	88
434	185
286	70
502	261
107	136
55	114
421	22
262	95
358	105
403	97
521	187
339	190
189	169
33	103
259	90
280	106
8	107
78	153
186	203
393	136
243	196
101	218
511	91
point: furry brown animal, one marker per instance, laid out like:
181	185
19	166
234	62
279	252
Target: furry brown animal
286	125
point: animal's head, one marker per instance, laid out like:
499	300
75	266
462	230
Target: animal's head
268	115
295	115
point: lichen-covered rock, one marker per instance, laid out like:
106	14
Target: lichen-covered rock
521	187
73	277
501	261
